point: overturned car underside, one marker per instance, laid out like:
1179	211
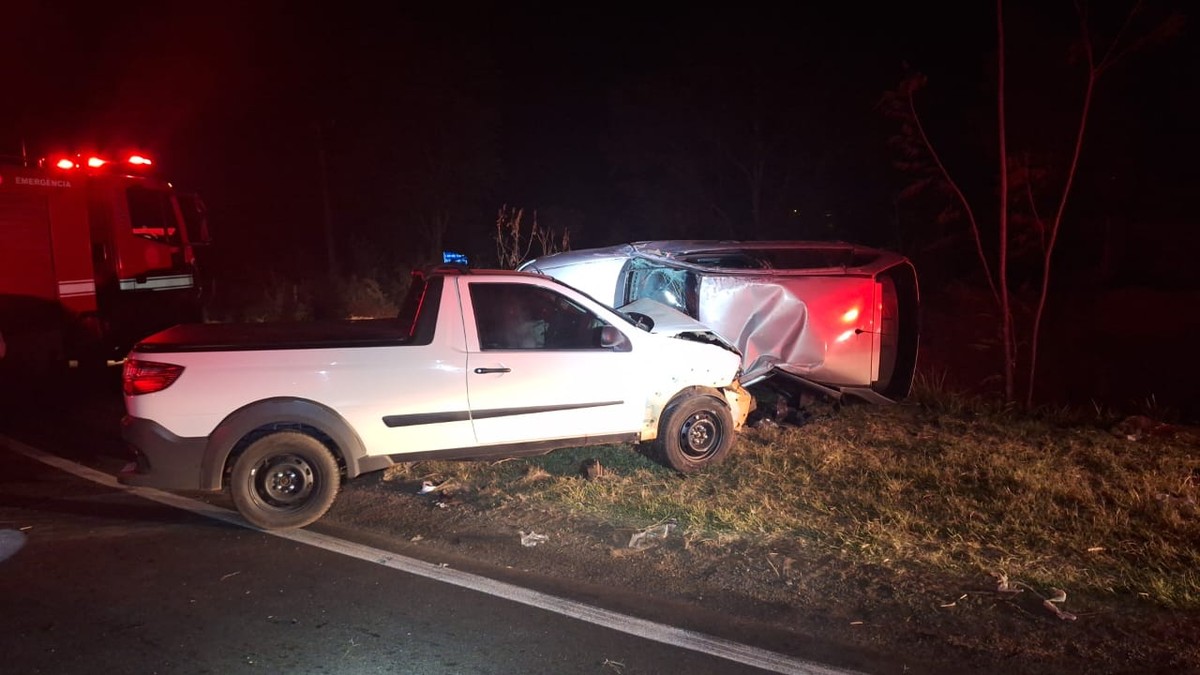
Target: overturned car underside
833	317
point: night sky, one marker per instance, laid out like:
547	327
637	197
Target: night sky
620	121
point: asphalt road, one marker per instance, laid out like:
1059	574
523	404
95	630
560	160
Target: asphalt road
96	578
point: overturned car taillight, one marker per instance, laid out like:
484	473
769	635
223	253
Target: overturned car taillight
147	377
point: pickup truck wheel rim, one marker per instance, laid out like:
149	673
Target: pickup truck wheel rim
284	481
700	435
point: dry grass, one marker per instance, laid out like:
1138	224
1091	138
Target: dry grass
957	489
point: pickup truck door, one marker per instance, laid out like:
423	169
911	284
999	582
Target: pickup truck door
536	369
415	399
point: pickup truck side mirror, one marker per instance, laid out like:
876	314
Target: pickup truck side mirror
614	340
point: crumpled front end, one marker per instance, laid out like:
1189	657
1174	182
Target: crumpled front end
740	401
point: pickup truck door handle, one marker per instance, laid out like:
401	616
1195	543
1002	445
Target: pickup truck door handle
484	371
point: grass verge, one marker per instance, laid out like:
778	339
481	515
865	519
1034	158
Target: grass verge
957	489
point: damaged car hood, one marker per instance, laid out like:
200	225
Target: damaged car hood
664	320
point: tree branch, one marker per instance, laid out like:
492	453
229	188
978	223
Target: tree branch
962	198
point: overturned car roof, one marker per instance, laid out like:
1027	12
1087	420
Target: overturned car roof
834	316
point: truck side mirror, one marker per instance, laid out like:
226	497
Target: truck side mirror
195	218
614	340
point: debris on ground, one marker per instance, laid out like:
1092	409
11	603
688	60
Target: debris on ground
644	539
954	603
1051	603
778	411
445	500
444	494
1057	595
531	539
428	486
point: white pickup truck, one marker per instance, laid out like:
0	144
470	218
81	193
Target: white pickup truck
477	365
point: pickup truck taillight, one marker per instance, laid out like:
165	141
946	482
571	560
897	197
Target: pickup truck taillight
147	377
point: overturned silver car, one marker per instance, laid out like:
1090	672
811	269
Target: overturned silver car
832	317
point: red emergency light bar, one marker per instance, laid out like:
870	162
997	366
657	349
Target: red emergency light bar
93	162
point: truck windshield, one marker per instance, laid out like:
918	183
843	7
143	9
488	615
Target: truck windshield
152	214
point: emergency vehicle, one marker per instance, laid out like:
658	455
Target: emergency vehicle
96	253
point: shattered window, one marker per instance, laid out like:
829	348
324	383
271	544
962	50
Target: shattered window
519	316
671	287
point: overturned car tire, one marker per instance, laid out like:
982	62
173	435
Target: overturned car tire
695	432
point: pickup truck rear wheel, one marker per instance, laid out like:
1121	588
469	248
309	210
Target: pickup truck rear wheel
284	480
695	432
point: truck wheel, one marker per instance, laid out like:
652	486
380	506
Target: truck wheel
695	432
284	480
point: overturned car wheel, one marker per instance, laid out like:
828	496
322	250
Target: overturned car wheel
284	480
695	432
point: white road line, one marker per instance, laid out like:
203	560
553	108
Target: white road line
686	639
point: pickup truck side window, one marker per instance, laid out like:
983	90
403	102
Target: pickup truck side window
419	313
520	316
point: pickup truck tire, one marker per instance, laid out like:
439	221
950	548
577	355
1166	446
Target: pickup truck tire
695	432
285	480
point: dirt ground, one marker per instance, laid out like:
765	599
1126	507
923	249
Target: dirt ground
878	619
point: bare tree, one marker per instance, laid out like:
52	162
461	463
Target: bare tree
1120	45
919	157
1008	339
514	243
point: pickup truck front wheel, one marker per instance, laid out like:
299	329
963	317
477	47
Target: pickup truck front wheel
695	432
284	480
